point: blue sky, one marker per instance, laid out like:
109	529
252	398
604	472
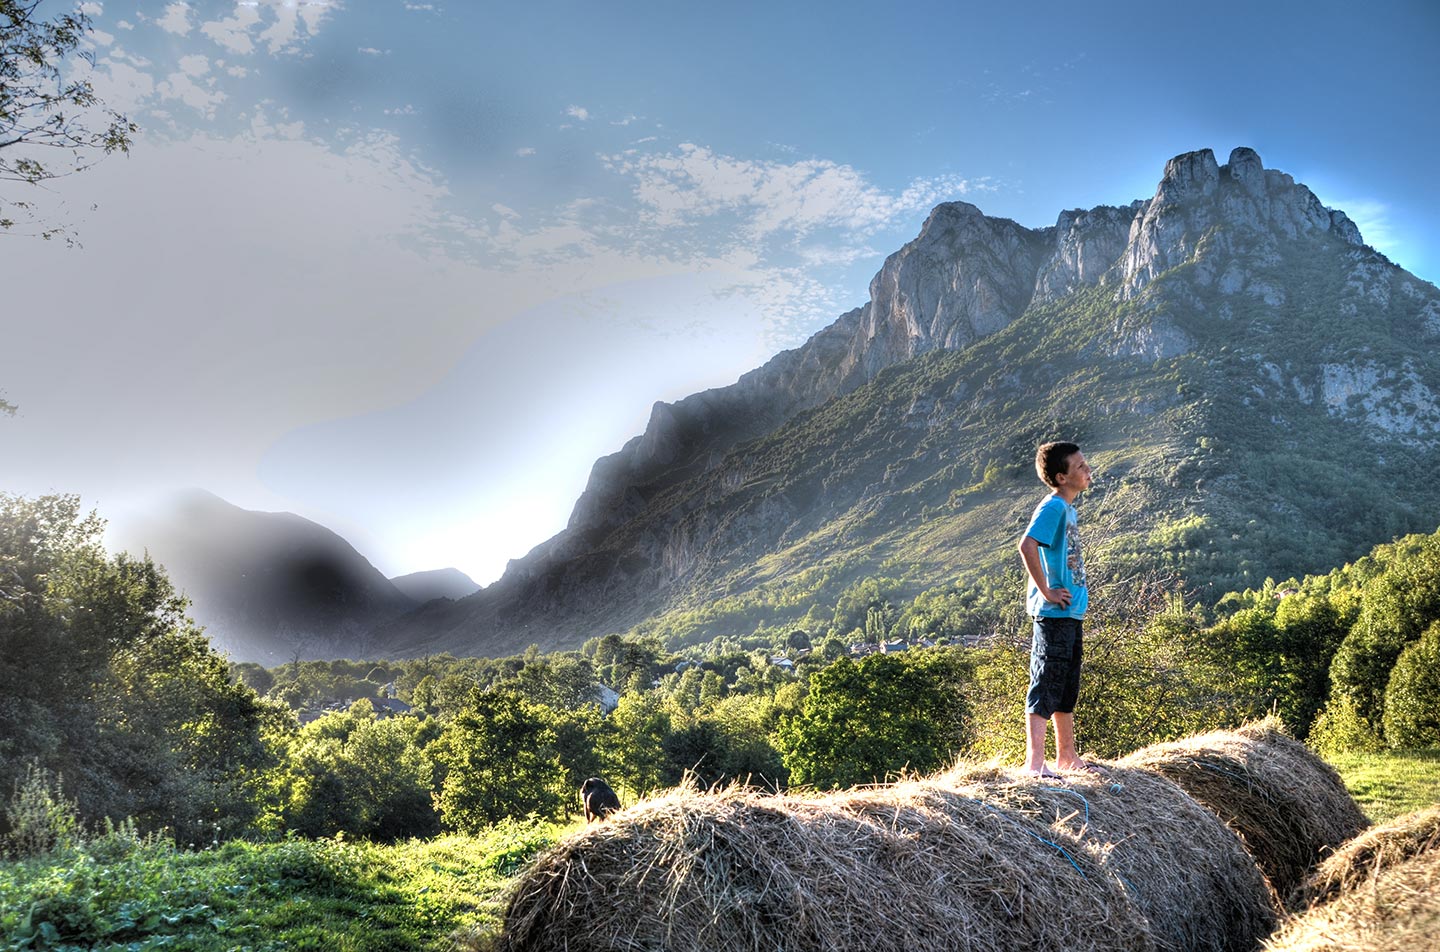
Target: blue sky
408	268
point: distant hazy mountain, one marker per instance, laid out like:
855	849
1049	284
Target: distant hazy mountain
423	587
267	585
1257	387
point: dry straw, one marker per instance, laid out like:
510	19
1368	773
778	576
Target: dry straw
1367	855
1287	805
913	867
1185	871
1398	910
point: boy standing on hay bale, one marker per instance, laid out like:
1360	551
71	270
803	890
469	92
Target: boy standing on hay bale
1057	600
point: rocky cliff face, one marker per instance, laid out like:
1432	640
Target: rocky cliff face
1222	218
1208	246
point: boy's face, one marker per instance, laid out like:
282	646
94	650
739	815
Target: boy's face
1076	477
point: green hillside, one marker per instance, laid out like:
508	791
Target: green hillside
1213	464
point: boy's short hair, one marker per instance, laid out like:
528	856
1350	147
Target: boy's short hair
1052	459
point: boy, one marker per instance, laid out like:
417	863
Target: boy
1057	600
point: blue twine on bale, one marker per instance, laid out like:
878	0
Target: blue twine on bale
1053	845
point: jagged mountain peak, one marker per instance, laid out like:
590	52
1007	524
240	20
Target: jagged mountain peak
1202	209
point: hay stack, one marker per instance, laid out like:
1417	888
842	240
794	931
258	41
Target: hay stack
1287	805
1396	911
910	867
1186	872
1367	855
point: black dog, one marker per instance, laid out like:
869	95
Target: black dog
598	799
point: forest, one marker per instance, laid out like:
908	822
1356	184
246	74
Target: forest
117	712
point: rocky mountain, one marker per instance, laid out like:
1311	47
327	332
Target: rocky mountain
267	585
1257	386
422	587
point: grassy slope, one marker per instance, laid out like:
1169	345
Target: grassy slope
1387	785
332	895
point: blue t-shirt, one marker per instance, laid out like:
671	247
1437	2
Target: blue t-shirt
1055	527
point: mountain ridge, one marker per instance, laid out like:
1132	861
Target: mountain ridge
1157	280
266	586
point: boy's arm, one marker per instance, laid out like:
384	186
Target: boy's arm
1030	555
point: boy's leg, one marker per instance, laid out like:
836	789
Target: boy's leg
1065	756
1035	743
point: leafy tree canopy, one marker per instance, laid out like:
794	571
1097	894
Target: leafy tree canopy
51	122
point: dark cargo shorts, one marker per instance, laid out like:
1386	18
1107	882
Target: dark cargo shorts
1055	651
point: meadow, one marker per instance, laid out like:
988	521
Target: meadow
119	891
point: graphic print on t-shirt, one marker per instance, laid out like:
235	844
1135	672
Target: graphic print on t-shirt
1074	560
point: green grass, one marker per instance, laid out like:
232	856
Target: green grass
298	894
1389	784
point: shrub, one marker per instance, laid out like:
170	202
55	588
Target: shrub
38	819
1412	698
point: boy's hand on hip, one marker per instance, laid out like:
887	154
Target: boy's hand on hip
1057	596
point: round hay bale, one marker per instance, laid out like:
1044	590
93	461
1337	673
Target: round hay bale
1364	857
1396	911
908	867
1186	871
1287	805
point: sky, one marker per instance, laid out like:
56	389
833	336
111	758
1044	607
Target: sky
409	268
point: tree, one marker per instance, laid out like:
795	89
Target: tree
632	744
51	123
498	759
1412	698
867	722
104	680
1397	604
364	775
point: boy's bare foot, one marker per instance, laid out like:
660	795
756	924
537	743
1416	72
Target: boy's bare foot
1044	772
1084	766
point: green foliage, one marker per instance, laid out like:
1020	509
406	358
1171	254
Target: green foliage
498	758
871	721
38	818
1339	729
43	109
1412	697
104	680
632	746
351	772
1281	646
329	894
1397	602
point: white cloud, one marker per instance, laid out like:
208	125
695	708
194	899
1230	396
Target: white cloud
504	211
181	87
195	65
372	51
281	26
176	19
695	182
124	25
525	151
428	7
578	112
234	33
406	110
